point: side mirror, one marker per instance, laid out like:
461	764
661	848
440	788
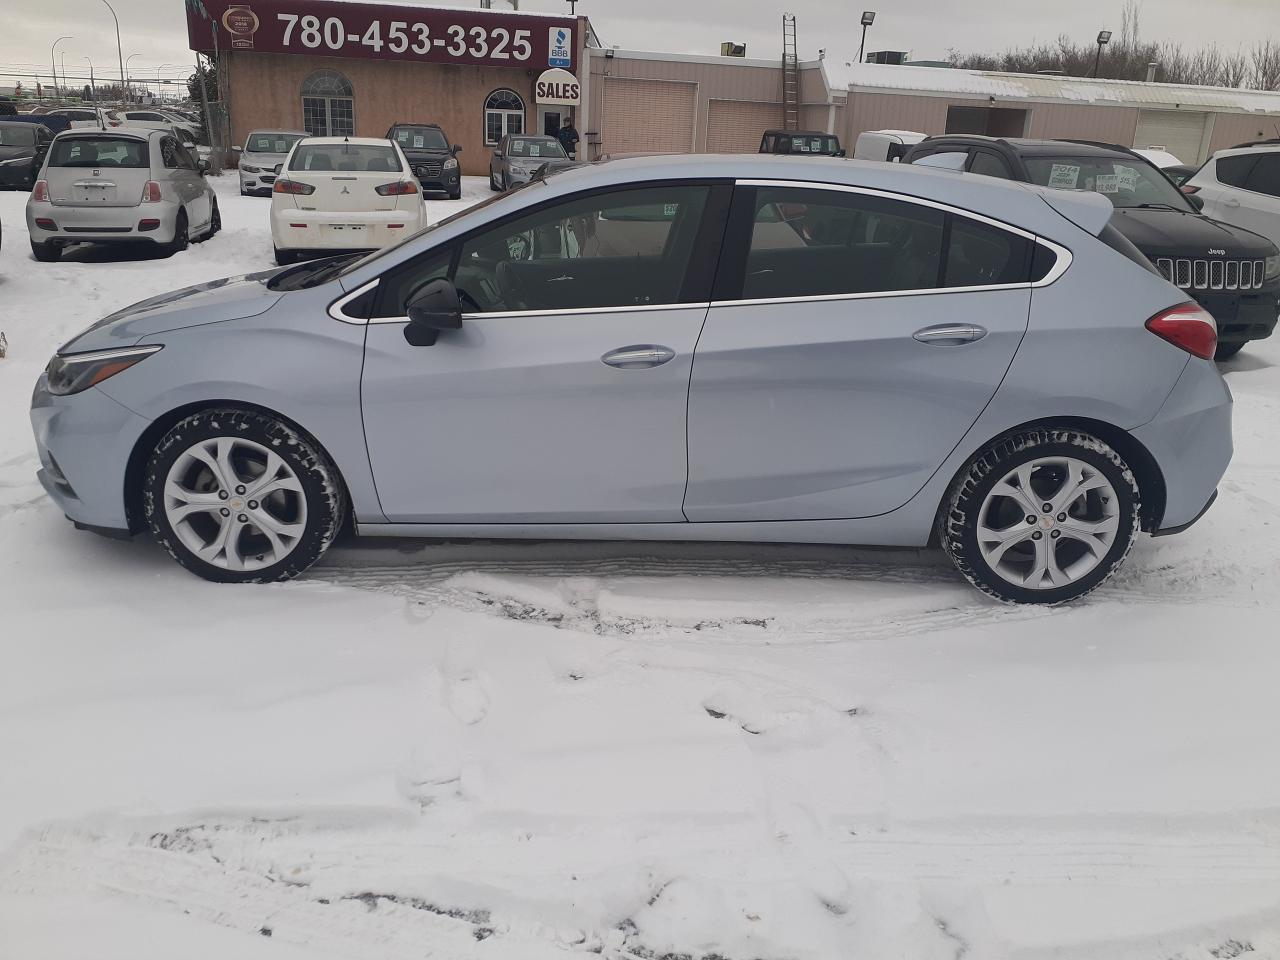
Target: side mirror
457	149
1197	202
188	145
237	149
432	308
202	167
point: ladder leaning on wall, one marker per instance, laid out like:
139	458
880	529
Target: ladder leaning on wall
790	74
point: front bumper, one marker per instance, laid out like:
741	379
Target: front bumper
264	179
1244	316
293	229
432	175
80	224
1190	439
84	442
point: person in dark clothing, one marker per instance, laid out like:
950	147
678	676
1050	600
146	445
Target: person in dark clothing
568	137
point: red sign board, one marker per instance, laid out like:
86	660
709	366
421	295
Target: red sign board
386	32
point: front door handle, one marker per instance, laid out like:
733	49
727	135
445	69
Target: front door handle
638	356
950	334
1231	202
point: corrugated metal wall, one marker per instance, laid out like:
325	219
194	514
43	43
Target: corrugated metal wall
735	126
1082	122
647	116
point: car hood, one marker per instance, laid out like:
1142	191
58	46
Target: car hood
16	153
262	159
1170	233
232	298
426	154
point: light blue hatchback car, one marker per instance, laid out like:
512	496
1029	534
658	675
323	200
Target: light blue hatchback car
744	348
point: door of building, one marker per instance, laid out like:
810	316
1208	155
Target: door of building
550	119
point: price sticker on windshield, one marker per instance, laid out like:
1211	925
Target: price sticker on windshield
1127	178
418	142
1106	183
1064	176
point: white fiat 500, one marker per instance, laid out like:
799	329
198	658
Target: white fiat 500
338	194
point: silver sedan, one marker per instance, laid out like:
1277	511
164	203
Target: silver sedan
516	158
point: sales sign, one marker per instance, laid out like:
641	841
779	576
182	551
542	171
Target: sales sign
384	32
558	87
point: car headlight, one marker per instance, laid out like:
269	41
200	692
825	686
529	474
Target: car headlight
73	372
451	163
249	168
1273	267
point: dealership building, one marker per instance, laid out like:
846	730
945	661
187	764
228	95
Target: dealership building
333	67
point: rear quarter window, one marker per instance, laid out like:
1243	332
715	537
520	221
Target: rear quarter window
1234	171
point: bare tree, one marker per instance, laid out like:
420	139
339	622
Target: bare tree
1265	65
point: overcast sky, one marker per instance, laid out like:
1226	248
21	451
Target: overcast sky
155	29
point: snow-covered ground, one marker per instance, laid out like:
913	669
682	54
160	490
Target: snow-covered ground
533	751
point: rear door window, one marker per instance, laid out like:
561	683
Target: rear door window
1265	175
980	255
98	152
1234	171
171	153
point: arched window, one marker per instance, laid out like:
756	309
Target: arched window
328	107
503	114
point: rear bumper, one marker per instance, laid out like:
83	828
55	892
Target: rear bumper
323	230
77	224
1190	439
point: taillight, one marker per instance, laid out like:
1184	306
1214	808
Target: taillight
397	189
151	192
294	187
40	192
1189	189
1188	327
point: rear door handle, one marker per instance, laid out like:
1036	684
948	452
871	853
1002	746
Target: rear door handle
950	334
638	356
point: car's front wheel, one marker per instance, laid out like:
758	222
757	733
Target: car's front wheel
1041	516
239	496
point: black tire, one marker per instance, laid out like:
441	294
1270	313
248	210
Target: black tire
493	184
506	182
322	489
181	235
46	252
285	257
958	521
456	194
1226	351
215	222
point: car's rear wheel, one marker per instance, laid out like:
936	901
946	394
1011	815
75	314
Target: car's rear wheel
46	252
1041	516
238	496
1226	351
181	235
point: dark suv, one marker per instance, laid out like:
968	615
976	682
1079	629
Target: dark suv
803	143
1232	273
433	158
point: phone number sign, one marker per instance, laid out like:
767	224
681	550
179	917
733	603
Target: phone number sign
385	32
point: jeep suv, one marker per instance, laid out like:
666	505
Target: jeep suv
433	159
1233	273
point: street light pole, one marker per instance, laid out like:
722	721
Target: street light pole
868	18
54	65
126	68
119	47
1104	37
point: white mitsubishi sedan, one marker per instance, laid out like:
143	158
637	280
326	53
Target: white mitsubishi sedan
338	194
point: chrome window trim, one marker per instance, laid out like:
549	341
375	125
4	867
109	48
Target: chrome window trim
335	308
1061	264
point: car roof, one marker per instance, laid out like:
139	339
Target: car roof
407	123
292	133
799	133
140	133
531	136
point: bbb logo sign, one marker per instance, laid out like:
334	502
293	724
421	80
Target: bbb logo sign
559	47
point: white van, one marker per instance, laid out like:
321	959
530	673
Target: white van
885	145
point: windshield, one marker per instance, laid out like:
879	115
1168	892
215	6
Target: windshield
98	152
816	144
1126	183
536	147
16	135
345	156
271	142
421	138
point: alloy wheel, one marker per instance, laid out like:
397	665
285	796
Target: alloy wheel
235	504
1048	522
